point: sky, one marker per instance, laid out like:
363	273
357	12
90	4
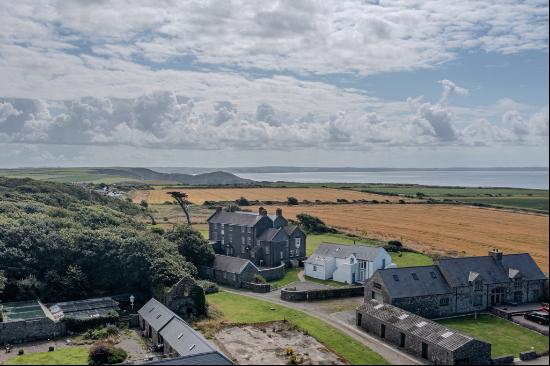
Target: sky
291	82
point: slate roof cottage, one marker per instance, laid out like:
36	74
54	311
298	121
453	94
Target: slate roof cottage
346	263
266	240
460	285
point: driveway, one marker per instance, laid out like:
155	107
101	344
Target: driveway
338	321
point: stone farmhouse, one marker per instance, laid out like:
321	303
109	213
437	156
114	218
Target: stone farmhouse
460	285
266	240
346	263
181	342
422	337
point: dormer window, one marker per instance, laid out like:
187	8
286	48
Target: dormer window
478	286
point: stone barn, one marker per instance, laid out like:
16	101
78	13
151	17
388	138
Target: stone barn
186	298
420	336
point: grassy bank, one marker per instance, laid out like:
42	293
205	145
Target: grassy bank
63	356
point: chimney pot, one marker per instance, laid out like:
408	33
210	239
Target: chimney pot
279	212
496	254
264	212
260	210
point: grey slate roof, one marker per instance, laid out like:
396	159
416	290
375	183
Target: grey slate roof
210	358
430	281
184	339
230	264
290	229
156	314
525	264
272	234
317	260
236	218
362	252
410	323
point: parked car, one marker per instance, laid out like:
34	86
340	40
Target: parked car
537	317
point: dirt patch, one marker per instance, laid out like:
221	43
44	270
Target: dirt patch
274	344
446	229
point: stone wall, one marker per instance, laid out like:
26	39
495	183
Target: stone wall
426	306
274	273
315	295
257	287
31	330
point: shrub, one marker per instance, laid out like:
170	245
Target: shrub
395	243
144	203
242	202
208	287
21	352
102	353
157	230
51	348
101	333
259	279
313	225
292	201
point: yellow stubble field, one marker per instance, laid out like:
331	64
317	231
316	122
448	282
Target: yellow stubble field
445	229
199	195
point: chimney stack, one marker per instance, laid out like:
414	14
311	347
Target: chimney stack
279	212
260	211
496	254
218	209
264	212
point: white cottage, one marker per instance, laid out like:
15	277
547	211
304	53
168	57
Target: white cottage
346	263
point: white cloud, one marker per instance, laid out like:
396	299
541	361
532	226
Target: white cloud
166	120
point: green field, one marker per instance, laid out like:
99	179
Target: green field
410	259
63	175
529	199
524	202
506	337
237	309
63	356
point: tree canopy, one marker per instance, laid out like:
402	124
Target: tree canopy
60	241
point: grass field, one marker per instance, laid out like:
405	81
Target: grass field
445	229
524	202
506	337
62	356
432	191
200	195
530	199
237	309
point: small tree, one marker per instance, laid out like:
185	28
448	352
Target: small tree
103	353
242	202
181	199
191	245
144	204
312	224
292	201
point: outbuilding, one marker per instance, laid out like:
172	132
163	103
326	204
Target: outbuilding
420	336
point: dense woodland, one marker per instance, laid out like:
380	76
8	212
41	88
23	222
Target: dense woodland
60	242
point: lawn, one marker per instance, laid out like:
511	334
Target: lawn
411	259
238	309
63	356
506	337
291	275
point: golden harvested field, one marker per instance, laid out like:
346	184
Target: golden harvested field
199	195
455	230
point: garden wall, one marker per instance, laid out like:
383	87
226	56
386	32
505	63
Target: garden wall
257	287
273	274
315	295
31	330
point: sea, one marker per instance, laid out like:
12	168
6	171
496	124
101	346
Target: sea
533	179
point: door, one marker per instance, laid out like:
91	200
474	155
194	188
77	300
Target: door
383	331
402	340
353	278
359	319
424	350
